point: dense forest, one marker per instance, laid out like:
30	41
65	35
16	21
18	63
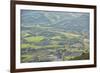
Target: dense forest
54	36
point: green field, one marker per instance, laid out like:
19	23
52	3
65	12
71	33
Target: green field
54	36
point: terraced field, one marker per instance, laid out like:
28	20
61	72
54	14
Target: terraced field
58	39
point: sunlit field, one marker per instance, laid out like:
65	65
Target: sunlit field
54	36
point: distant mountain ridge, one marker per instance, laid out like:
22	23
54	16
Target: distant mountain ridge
69	21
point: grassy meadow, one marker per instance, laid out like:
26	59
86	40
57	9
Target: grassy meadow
54	36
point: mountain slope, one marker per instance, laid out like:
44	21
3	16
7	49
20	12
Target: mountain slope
69	21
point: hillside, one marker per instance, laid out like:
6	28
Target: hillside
54	36
69	21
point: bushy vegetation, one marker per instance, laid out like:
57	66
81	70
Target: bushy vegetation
54	36
26	58
58	46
